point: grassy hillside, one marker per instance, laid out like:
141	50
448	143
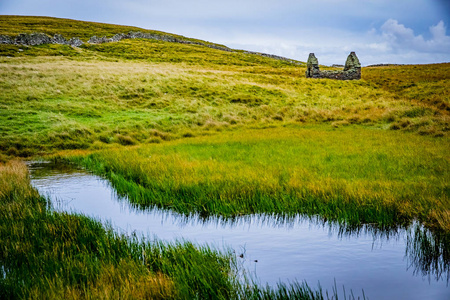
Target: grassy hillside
91	101
14	25
132	92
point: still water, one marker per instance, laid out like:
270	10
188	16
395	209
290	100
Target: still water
386	264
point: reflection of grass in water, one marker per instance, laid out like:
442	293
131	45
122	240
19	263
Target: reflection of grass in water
44	254
429	253
352	175
56	255
47	254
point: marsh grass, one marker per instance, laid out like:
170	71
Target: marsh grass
349	175
196	129
50	255
45	254
57	97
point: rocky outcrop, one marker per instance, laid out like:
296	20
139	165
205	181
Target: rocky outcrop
41	38
4	39
352	69
34	39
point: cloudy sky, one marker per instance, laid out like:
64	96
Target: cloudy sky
380	31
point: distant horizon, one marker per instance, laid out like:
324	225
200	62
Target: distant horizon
380	32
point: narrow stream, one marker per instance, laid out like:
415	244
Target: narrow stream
386	264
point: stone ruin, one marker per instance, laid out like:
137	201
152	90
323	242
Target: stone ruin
352	69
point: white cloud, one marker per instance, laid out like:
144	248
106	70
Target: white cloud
403	39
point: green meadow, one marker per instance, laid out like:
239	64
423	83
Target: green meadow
199	130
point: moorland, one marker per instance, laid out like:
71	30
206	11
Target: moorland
200	130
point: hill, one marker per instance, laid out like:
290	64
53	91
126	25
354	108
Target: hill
136	91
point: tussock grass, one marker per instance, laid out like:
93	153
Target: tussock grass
214	132
56	97
59	103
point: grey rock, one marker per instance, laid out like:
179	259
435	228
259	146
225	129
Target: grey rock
32	39
75	42
4	39
41	38
118	37
101	40
59	39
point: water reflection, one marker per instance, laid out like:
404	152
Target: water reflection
428	253
388	262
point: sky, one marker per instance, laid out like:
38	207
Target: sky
379	31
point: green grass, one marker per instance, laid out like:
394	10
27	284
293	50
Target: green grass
15	25
58	255
52	103
352	175
50	255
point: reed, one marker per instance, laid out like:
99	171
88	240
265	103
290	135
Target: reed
199	130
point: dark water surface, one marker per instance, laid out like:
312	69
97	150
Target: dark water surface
395	264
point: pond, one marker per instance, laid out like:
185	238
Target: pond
399	263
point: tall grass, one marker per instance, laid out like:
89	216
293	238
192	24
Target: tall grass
50	255
350	175
322	148
45	254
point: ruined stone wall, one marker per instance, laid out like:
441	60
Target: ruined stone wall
352	69
33	39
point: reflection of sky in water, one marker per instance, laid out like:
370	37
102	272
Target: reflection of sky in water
295	249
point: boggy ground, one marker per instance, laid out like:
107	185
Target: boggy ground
197	129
